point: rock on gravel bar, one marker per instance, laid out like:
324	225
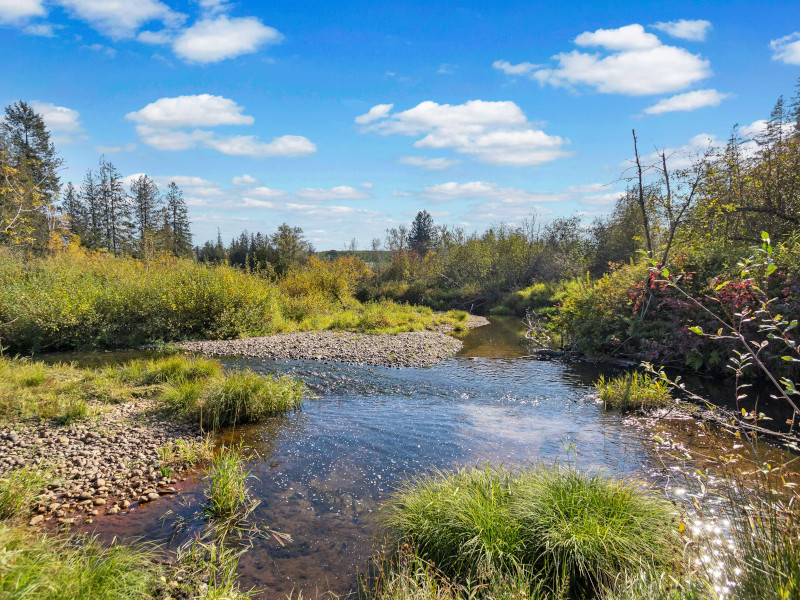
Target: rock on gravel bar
412	349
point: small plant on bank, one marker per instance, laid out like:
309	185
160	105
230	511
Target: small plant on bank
50	567
168	370
227	494
18	489
235	399
556	527
633	391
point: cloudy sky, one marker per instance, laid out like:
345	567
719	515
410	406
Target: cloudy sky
346	118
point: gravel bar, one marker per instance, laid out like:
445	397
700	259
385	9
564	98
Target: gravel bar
412	349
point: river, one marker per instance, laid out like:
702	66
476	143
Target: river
322	472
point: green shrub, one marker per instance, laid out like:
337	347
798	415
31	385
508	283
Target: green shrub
633	391
563	529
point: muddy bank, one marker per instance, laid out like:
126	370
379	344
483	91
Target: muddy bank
413	349
105	465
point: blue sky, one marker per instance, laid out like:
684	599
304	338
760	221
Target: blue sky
347	118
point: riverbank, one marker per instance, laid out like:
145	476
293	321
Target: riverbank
410	349
106	465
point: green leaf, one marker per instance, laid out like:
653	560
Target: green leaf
765	236
665	272
721	285
696	330
771	268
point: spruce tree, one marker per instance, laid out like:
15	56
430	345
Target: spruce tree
423	233
146	205
73	209
117	221
177	217
32	152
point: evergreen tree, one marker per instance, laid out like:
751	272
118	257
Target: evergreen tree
32	152
91	204
423	233
177	219
117	222
74	210
794	110
146	205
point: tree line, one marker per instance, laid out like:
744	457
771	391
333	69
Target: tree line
101	213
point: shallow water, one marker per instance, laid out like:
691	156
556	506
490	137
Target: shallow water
322	472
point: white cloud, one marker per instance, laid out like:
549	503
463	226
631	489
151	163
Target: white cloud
254	203
450	191
755	128
687	101
629	37
163	125
244	180
13	11
339	192
185	181
265	192
493	132
202	110
58	118
446	69
636	63
686	29
161	37
313	209
222	37
379	111
522	68
432	164
250	145
786	49
121	18
113	149
108	51
40	29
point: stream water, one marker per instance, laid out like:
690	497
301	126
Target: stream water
322	472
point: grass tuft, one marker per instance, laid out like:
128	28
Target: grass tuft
18	489
49	567
554	526
227	494
633	391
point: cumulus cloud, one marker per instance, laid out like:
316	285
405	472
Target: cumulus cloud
627	60
432	164
379	111
40	29
120	19
165	125
450	191
522	68
244	180
339	192
222	37
14	11
786	49
687	101
686	29
202	110
494	132
63	122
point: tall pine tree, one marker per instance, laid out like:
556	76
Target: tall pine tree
117	221
146	205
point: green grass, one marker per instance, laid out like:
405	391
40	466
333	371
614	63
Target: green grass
18	489
51	567
188	386
234	399
76	299
227	494
556	527
633	391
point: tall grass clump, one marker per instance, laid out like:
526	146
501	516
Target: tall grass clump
227	494
168	369
50	567
18	489
234	399
633	391
554	527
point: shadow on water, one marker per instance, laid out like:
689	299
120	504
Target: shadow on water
322	473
